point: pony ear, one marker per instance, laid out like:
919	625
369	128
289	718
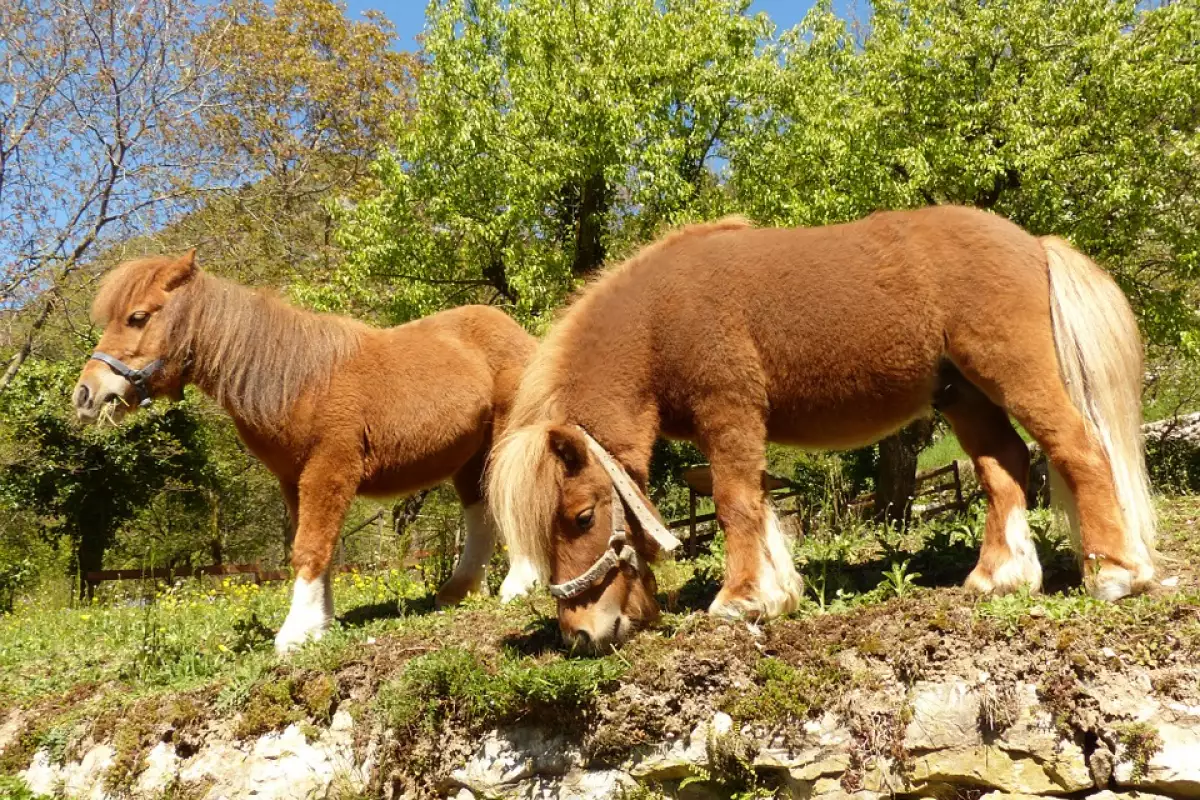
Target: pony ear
181	271
568	444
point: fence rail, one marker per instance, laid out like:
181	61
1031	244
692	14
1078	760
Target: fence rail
257	572
930	483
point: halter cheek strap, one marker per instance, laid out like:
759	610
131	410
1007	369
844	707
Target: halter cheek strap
137	377
618	551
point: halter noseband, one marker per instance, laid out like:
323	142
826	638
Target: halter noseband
137	377
618	551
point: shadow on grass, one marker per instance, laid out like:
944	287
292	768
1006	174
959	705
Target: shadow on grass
407	607
540	636
944	560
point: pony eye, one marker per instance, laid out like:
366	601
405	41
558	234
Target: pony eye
138	318
584	519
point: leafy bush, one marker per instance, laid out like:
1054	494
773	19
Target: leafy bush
1174	465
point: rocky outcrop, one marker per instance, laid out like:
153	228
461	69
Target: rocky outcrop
283	765
941	737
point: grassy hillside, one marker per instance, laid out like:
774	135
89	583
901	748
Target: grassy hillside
121	668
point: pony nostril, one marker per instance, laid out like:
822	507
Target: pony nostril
81	396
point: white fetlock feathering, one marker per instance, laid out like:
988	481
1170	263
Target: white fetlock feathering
309	616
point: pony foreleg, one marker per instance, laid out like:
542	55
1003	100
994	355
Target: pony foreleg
310	613
761	581
477	551
325	494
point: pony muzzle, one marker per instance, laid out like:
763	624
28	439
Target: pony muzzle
599	634
116	386
626	597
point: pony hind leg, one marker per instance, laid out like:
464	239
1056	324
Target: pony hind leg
1114	564
327	486
480	541
761	581
1007	560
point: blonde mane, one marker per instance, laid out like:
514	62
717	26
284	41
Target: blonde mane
524	477
247	348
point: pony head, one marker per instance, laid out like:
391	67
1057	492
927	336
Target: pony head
555	503
131	364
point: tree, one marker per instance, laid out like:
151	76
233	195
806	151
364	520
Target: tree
89	481
551	136
98	138
1076	118
308	99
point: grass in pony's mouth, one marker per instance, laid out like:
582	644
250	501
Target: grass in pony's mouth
108	412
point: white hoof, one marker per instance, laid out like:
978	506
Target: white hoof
292	638
519	582
736	609
1111	582
1012	576
1021	570
309	616
762	605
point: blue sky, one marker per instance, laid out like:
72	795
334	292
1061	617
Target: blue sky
409	15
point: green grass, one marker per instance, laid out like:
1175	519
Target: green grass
941	452
947	448
184	636
14	788
114	671
463	686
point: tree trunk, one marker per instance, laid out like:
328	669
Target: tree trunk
896	480
589	241
216	545
89	554
18	360
405	512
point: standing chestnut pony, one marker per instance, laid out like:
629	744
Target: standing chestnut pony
829	337
333	407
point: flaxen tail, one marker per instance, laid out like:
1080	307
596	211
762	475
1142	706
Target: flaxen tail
1100	357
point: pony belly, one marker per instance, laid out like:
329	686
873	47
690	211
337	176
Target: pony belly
858	424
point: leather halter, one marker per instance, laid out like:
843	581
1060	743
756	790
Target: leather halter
137	377
618	551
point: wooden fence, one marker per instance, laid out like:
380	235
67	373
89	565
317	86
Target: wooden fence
934	483
256	572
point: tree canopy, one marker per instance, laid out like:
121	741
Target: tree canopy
549	137
552	137
1075	118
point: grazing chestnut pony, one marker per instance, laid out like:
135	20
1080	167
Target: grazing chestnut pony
333	407
831	337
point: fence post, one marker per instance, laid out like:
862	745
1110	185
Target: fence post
958	496
692	549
